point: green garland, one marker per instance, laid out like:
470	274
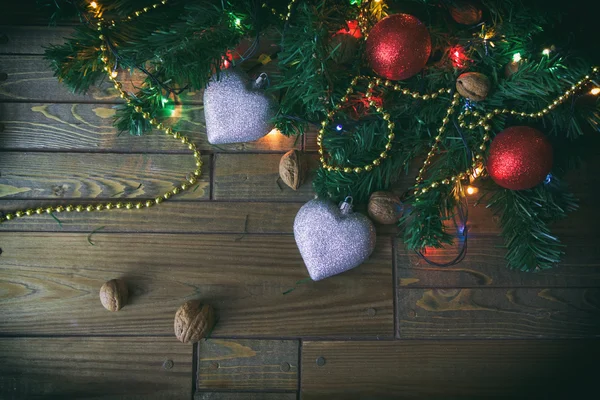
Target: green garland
179	46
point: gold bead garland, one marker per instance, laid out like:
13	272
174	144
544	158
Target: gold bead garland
373	82
483	122
283	17
192	176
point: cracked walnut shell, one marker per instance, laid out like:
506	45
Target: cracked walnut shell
193	321
113	294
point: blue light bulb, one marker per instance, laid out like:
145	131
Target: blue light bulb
339	127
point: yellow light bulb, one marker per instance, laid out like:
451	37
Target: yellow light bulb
595	91
114	74
471	190
517	57
546	52
93	4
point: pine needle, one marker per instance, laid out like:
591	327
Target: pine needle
89	237
56	219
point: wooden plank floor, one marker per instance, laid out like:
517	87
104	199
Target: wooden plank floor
396	327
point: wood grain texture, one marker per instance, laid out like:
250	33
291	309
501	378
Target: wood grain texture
29	78
94	368
499	313
256	177
98	176
31	39
49	285
485	265
244	396
173	217
25	12
449	369
39	126
248	365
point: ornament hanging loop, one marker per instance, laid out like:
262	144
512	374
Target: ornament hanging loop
261	82
346	205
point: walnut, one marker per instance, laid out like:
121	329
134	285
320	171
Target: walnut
385	207
113	294
293	168
473	85
465	12
193	321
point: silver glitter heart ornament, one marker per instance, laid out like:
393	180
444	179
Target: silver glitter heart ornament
236	109
332	239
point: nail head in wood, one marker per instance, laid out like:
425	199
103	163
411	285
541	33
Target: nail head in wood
285	367
321	361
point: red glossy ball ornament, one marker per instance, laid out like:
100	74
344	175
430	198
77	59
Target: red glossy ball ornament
398	47
520	158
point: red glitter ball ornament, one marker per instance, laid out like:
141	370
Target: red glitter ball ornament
520	158
398	47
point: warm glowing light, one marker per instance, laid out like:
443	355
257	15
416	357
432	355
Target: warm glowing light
546	52
352	28
517	57
274	139
458	56
595	91
114	74
93	4
471	190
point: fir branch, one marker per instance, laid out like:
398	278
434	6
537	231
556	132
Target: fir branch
150	99
524	219
77	63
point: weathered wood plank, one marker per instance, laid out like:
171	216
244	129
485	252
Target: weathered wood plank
256	177
49	285
485	265
29	78
25	12
310	140
188	217
248	365
243	396
37	126
98	368
31	39
499	313
449	369
98	176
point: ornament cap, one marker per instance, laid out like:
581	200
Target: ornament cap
346	205
261	82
